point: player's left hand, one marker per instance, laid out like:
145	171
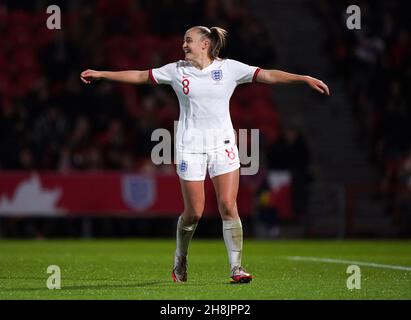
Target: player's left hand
318	85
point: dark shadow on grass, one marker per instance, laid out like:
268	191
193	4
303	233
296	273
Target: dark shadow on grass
89	287
194	283
45	278
112	286
23	278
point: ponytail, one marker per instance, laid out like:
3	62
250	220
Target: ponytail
217	37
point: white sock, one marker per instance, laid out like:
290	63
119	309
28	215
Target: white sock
233	238
184	234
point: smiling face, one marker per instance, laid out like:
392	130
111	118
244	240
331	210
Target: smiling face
195	46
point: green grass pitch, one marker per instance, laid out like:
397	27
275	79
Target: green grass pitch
140	269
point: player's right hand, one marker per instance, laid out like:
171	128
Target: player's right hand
90	75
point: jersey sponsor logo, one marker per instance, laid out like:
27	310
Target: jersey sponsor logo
183	166
217	75
139	192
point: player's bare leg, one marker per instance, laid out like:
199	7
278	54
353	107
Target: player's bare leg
194	198
226	188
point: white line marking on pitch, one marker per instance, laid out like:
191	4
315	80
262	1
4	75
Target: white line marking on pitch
360	263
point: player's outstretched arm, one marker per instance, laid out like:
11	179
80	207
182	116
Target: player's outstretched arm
277	76
131	76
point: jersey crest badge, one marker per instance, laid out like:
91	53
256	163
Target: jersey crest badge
217	75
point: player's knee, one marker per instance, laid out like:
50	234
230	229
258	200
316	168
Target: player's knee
193	215
193	218
227	206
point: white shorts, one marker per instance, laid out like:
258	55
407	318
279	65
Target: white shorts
193	166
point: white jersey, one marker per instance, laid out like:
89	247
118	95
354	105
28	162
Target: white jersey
205	123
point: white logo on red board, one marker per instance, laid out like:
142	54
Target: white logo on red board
139	192
30	197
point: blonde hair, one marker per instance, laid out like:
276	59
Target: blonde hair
217	37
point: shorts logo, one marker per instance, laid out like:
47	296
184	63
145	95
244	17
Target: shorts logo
217	75
183	166
230	153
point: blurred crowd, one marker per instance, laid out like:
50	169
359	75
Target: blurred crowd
50	120
375	63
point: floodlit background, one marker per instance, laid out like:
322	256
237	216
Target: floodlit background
75	159
83	207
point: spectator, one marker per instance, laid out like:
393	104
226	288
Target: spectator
44	122
290	152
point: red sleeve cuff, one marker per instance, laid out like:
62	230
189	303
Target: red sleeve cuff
150	73
255	74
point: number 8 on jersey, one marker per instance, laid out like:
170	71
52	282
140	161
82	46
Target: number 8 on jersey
186	89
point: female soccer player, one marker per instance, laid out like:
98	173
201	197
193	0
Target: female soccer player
205	136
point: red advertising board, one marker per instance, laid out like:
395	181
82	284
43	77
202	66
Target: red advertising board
102	193
95	193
